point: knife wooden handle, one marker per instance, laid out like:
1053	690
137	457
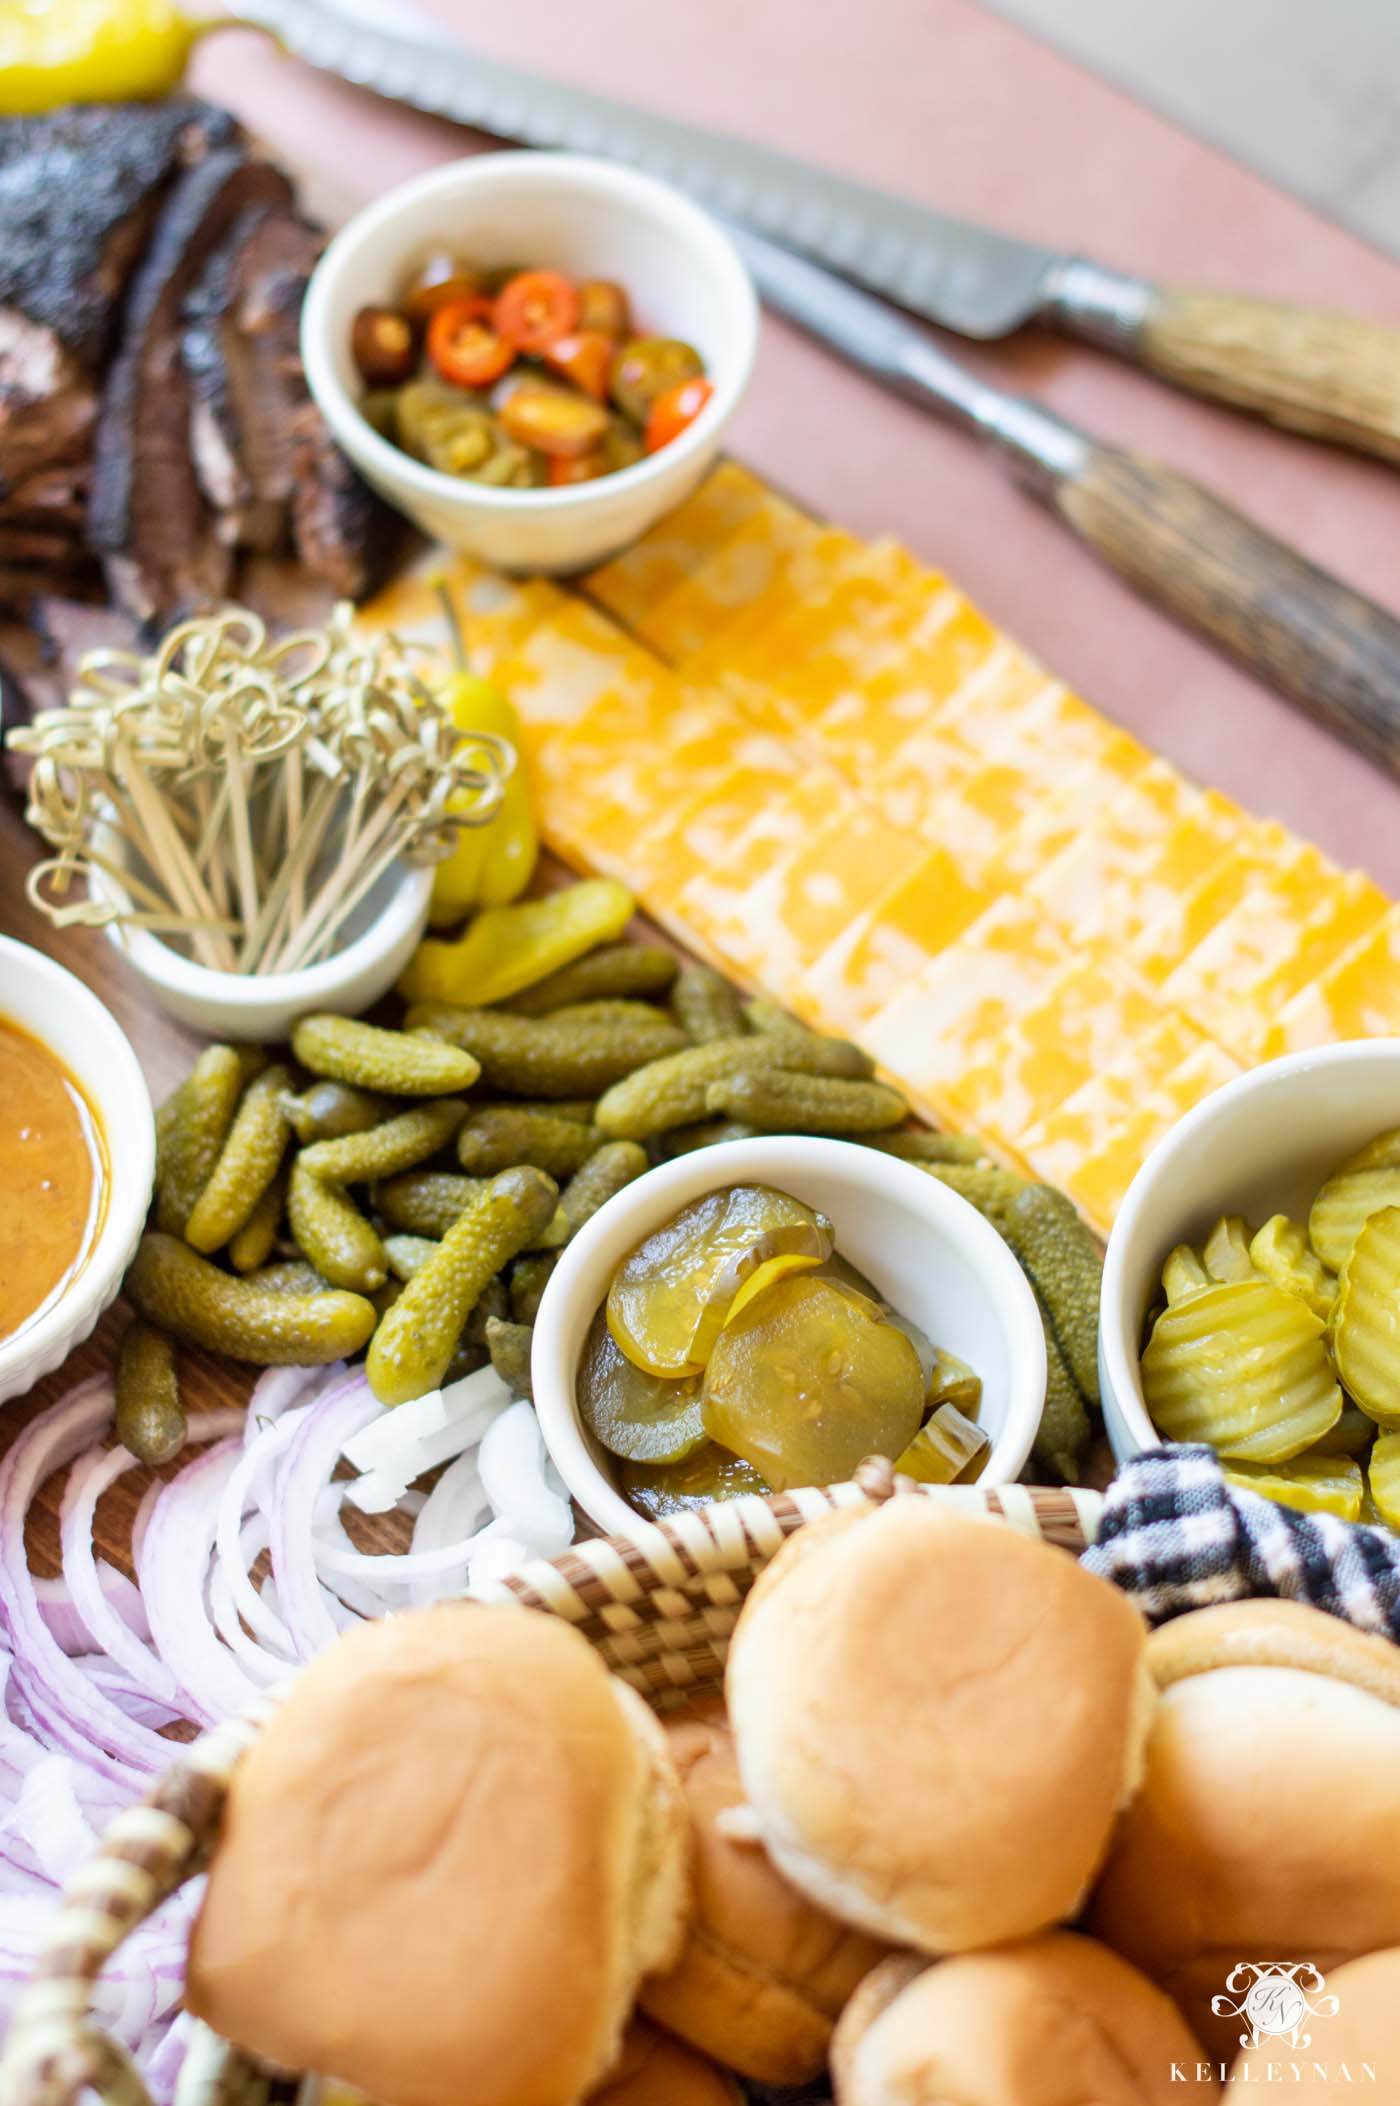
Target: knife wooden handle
1332	376
1329	649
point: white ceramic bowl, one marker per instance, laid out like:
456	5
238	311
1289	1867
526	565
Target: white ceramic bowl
1260	1145
47	1002
562	212
262	1007
929	1252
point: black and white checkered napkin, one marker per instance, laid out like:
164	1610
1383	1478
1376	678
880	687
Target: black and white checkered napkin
1176	1536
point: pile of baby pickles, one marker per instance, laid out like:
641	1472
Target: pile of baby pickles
406	1192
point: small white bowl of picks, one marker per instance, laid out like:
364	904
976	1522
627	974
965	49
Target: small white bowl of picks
255	822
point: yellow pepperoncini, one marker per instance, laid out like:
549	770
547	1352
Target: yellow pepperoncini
492	864
59	51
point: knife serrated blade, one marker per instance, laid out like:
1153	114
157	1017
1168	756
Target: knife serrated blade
969	279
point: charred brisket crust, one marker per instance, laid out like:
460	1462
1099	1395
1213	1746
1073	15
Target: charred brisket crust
146	514
78	188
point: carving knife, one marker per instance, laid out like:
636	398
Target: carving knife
1332	376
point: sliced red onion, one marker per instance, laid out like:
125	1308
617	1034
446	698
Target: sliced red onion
64	1702
336	1414
174	1559
513	1469
281	1388
61	1614
246	1481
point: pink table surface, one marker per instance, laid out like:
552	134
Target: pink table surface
944	102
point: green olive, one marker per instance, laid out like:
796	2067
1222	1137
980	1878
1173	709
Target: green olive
646	367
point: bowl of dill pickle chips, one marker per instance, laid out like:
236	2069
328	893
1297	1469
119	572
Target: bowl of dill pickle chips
762	1314
1251	1292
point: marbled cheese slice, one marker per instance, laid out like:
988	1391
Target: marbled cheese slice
606	765
714	896
1092	1122
886	949
1086	1019
494	613
1262	849
1357	997
734	577
1123	779
691	834
633	583
1098	1183
1251	946
932	1031
1120	875
806	899
1351	911
815	652
569	663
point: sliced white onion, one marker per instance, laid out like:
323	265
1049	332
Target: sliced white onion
512	1464
174	1558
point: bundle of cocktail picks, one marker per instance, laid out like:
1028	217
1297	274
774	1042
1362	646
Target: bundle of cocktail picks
246	793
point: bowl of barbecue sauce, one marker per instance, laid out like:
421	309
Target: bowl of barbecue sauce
77	1158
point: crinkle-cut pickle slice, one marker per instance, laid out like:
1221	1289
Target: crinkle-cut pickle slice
953	1382
637	1417
1383	1476
810	1379
1322	1484
1226	1250
1366	1322
1183	1274
1282	1253
1244	1366
1346	1203
670	1296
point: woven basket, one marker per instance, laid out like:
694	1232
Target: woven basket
659	1605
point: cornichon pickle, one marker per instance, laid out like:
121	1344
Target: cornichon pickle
502	1134
326	1110
395	1061
705	1005
1282	1253
426	1202
509	1347
248	1161
945	1449
255	1241
672	1092
920	1146
290	1276
1061	1261
401	1143
810	1379
703	1479
332	1233
182	1293
493	1301
1225	1253
1064	1431
201	1114
576	1051
786	1103
1244	1366
709	1133
406	1254
637	1416
618	969
414	1343
608	1170
670	1296
842	1057
529	1276
150	1415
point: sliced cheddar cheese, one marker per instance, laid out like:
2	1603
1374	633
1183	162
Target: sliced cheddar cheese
632	584
1260	851
886	948
1253	944
735	577
1357	997
713	899
1119	876
1092	1120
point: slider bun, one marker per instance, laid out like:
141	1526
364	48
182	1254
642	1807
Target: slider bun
763	1974
1344	2048
445	1864
1268	1823
1051	2021
936	1720
658	2071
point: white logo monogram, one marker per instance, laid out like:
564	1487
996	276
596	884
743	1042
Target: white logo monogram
1275	1998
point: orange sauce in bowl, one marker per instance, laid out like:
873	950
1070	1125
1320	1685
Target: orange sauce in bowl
53	1179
